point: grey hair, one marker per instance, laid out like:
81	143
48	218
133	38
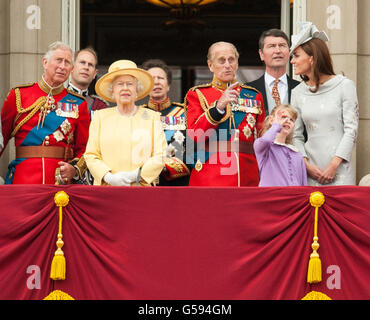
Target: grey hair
55	46
211	49
139	86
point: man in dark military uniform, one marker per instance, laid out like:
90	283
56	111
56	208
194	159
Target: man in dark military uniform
223	119
83	73
175	173
49	123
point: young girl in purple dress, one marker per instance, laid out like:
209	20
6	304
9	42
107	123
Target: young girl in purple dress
279	162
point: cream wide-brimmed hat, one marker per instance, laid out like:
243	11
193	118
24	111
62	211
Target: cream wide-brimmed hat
103	86
306	32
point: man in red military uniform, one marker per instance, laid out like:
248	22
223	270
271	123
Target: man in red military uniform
223	119
49	123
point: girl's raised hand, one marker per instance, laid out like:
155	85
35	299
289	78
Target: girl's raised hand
281	116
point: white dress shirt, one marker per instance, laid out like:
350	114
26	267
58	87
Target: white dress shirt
282	88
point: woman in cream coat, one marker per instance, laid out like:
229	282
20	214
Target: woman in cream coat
126	143
327	108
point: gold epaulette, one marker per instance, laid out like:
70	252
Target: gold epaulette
206	85
249	87
24	85
76	94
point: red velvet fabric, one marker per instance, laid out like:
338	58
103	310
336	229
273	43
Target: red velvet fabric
185	242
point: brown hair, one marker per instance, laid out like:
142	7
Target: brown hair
90	50
267	123
322	62
158	63
277	33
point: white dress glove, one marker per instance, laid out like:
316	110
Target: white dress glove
122	178
131	175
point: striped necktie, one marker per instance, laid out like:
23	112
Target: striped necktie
275	92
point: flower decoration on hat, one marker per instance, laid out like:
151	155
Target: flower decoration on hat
307	31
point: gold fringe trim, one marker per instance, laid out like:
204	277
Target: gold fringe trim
58	295
316	295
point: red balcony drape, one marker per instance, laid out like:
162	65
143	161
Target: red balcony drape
185	242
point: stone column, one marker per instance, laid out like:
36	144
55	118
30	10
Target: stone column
363	85
4	61
346	22
27	28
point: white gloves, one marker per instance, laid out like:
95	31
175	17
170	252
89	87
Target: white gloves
122	178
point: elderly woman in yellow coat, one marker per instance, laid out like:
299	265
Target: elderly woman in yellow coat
126	143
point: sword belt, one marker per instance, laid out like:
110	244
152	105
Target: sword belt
44	152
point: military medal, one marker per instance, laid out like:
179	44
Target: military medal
247	106
65	126
251	120
68	109
198	165
247	131
173	123
58	135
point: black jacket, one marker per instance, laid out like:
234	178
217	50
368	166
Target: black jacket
259	84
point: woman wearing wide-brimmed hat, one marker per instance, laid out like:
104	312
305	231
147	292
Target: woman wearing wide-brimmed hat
126	143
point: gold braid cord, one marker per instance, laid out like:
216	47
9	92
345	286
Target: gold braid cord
58	265
202	100
317	199
33	108
205	106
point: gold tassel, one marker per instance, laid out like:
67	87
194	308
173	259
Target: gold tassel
58	295
316	295
317	199
58	265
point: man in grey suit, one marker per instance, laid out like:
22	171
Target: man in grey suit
275	85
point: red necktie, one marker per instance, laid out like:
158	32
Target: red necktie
275	92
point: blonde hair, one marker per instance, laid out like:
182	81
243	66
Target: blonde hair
267	123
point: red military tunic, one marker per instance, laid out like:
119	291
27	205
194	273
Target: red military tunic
234	162
65	126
